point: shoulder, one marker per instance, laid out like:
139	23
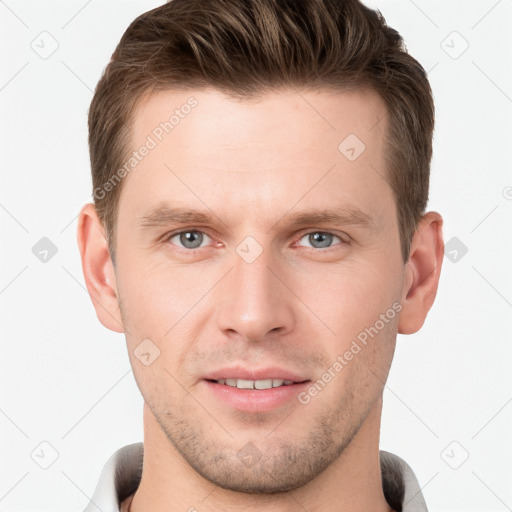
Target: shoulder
401	488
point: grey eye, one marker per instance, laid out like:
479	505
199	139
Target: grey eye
320	239
189	239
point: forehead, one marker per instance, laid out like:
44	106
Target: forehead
280	146
192	117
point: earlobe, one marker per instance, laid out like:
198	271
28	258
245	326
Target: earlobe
422	273
98	270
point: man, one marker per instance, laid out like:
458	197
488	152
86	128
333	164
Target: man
260	174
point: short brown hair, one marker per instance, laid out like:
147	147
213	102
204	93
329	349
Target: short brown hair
245	48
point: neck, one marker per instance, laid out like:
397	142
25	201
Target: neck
352	482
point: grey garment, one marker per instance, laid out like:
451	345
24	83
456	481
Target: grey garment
121	476
400	485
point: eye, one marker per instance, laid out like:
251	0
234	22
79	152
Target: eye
189	239
321	239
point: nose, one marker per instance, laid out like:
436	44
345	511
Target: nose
253	302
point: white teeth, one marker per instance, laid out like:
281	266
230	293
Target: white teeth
263	384
245	384
254	384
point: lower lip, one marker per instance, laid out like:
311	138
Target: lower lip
255	400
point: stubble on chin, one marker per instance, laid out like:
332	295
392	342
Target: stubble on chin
278	462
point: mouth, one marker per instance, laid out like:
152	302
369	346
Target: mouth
255	384
254	390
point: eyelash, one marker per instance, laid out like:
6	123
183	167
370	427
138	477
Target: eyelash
192	252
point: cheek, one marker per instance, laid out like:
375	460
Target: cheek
158	383
351	296
155	297
364	361
360	305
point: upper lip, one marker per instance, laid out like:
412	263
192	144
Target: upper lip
238	372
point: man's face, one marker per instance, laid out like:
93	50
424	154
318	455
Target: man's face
246	292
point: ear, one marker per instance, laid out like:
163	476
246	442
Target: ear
98	270
422	273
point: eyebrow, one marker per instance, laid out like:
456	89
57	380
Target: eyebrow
176	215
347	215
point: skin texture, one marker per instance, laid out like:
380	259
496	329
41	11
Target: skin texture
300	304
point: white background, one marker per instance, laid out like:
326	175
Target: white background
66	380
